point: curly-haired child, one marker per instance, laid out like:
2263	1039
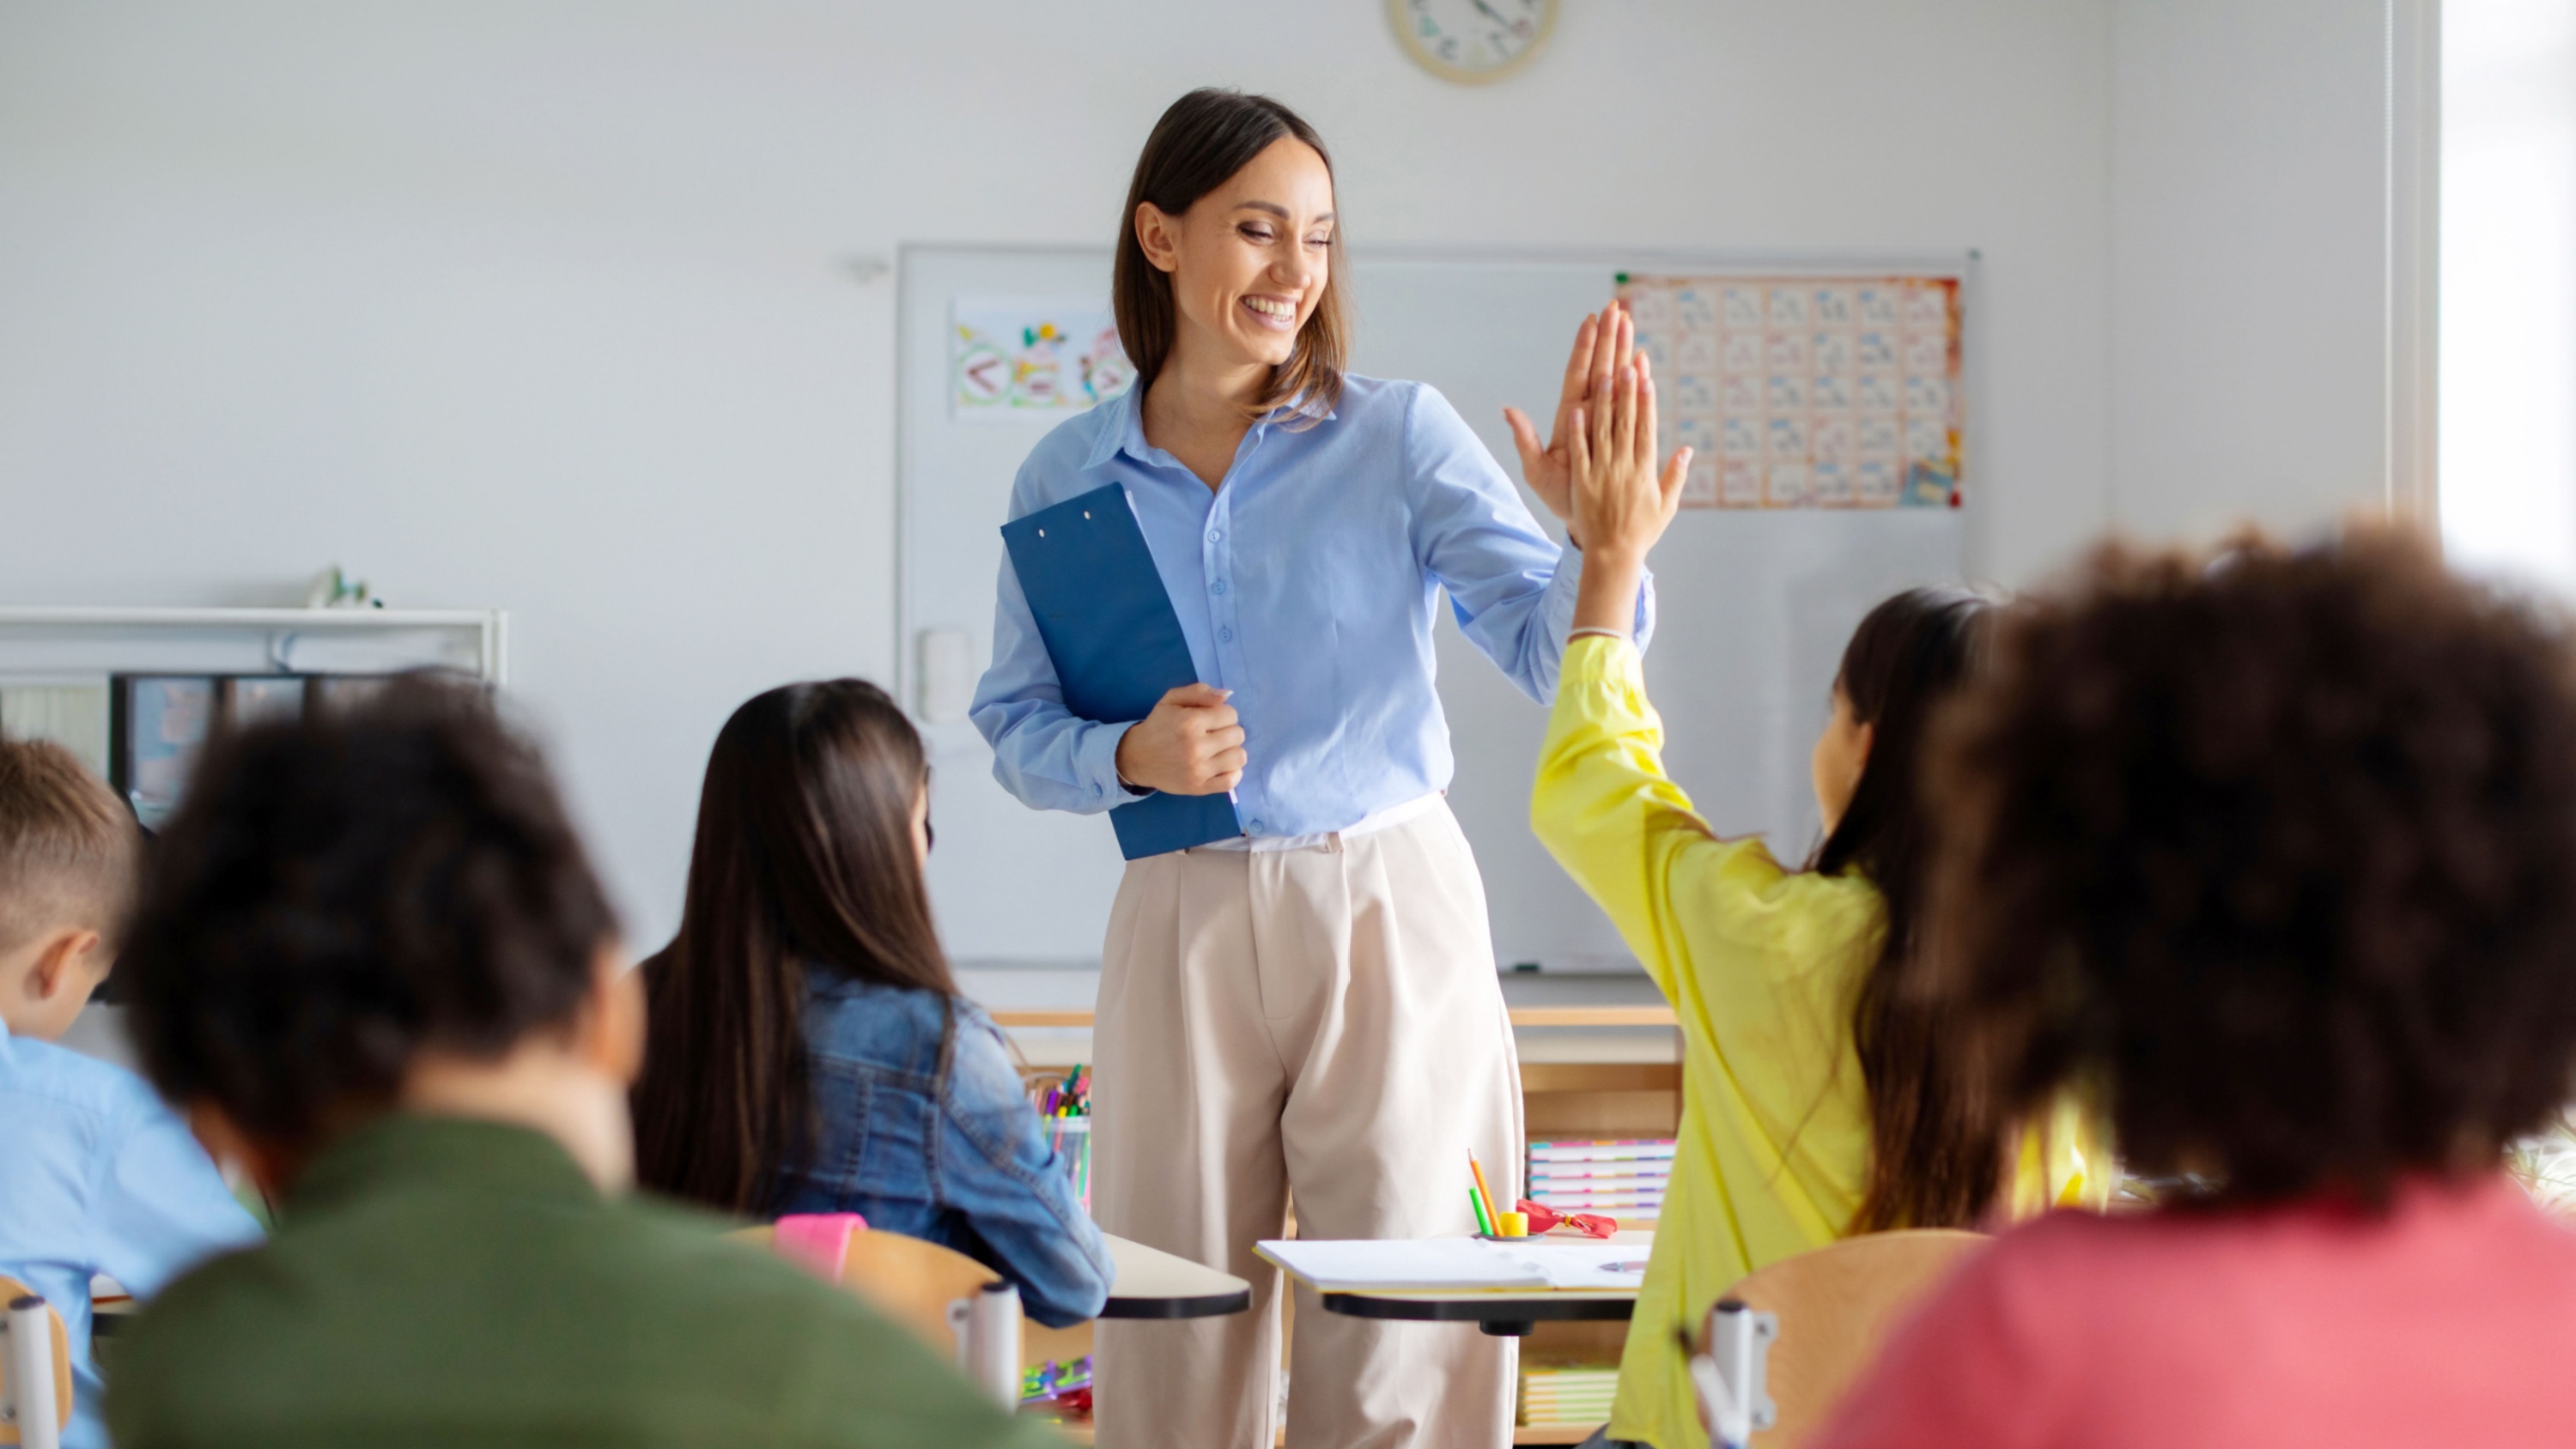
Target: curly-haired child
2273	854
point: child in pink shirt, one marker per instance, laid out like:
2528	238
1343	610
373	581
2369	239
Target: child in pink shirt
2273	855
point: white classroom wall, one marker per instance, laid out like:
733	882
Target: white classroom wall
545	305
2248	331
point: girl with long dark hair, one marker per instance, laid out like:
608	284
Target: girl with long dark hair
1310	1007
1818	1101
808	1050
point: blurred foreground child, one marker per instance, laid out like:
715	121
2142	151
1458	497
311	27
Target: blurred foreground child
374	964
2274	854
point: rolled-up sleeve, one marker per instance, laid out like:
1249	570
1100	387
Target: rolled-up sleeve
1512	587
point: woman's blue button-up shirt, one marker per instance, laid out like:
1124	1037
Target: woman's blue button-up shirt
1306	585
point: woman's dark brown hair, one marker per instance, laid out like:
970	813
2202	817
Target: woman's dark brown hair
2273	854
804	860
1931	1159
1201	141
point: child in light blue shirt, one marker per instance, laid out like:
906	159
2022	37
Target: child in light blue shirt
96	1174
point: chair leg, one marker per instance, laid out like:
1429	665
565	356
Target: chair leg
37	1416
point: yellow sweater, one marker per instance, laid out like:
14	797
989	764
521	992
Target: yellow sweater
1760	964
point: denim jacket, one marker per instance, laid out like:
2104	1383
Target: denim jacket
941	1144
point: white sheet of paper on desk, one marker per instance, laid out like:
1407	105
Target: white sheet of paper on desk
1594	1266
1390	1264
1460	1264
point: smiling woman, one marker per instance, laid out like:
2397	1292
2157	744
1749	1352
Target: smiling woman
1263	258
1310	1007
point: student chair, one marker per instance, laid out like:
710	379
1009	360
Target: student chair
910	1281
47	1355
1836	1306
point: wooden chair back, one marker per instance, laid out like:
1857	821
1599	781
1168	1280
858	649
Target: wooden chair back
1837	1305
11	1289
908	1280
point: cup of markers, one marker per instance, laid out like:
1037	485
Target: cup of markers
1064	1112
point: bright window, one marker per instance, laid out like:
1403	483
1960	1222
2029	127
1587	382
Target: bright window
2508	298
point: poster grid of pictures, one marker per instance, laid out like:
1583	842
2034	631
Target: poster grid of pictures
1807	392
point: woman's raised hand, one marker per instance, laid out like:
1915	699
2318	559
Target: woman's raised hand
1621	505
1602	346
1190	745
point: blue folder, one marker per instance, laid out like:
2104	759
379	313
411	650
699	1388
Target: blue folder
1116	644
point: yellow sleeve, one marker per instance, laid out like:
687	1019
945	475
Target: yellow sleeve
1606	811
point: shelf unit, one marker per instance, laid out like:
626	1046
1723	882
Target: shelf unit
64	641
1559	1098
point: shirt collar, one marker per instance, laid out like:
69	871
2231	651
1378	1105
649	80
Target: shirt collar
405	1151
1124	429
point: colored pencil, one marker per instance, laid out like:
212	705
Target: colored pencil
1483	1191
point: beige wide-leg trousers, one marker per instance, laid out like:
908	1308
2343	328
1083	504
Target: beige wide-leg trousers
1323	1024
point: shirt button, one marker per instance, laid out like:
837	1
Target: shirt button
1215	533
1256	825
1225	636
1217	588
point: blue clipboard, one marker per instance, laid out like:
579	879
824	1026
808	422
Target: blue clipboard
1117	646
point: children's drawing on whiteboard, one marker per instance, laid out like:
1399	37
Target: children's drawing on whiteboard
1808	392
1033	357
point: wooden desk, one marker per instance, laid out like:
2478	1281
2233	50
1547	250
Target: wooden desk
1154	1284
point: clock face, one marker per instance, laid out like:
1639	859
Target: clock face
1473	40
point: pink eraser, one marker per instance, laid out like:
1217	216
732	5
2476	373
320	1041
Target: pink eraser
817	1242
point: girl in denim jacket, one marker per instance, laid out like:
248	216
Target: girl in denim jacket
808	1048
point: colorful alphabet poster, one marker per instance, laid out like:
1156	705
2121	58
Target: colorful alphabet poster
1034	357
1807	392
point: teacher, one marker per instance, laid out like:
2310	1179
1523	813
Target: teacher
1309	1011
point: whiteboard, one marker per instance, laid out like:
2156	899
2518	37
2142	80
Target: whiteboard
1754	605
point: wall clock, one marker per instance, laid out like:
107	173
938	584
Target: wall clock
1472	41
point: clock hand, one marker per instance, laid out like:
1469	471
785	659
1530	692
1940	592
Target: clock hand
1495	15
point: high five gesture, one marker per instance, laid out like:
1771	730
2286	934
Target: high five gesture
1620	504
1603	346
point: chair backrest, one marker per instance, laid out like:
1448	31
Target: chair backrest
10	1289
908	1280
1837	1305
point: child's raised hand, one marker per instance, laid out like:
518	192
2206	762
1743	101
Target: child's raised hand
1602	345
1620	504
